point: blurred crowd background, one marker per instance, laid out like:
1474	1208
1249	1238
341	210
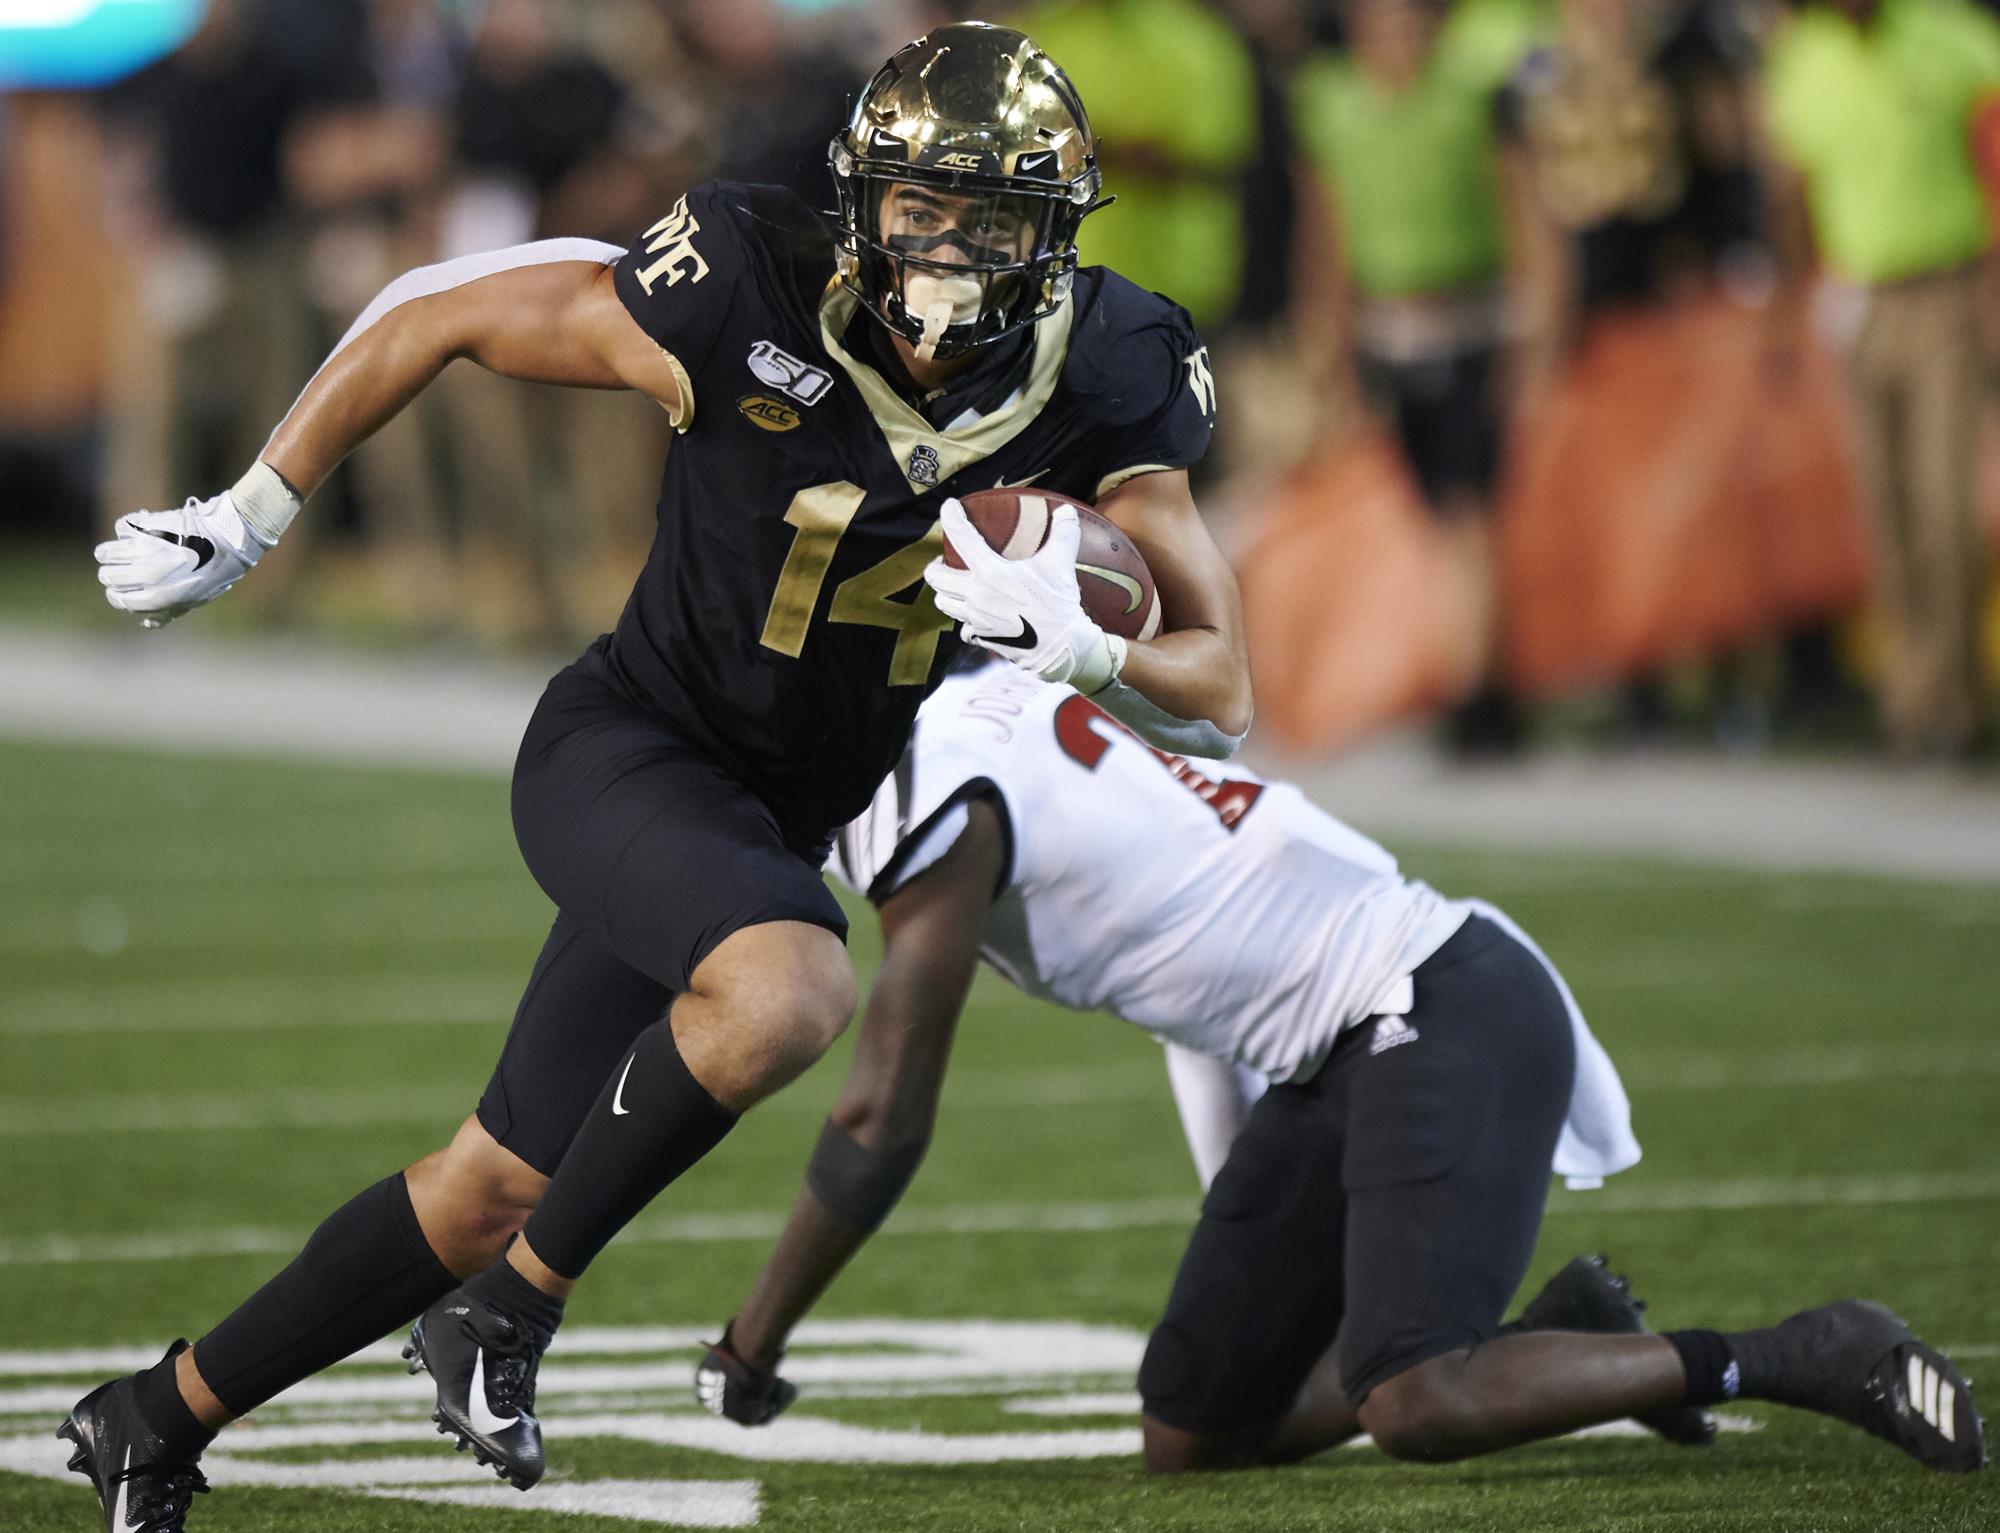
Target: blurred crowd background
1620	368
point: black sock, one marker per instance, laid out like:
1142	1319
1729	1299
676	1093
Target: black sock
160	1402
652	1121
1713	1373
507	1291
365	1271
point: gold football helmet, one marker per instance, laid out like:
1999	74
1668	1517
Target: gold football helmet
963	176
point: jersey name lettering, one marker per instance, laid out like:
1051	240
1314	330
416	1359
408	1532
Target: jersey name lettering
1077	733
672	240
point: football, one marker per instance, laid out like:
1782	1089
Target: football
1116	586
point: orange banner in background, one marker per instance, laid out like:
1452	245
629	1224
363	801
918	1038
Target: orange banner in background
1674	498
1348	599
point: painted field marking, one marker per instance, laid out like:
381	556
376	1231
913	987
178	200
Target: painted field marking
955	1357
1056	1218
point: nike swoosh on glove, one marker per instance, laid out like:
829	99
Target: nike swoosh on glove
1028	610
163	563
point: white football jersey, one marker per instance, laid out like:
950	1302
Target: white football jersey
1212	908
1215	909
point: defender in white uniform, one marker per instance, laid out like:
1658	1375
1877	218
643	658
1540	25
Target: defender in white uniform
1385	1077
1222	913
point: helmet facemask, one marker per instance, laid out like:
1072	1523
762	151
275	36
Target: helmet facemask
950	263
963	175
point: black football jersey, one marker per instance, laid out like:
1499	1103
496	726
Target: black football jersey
781	622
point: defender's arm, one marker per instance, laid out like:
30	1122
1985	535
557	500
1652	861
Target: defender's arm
881	1124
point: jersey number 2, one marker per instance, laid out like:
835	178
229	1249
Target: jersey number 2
1077	726
821	515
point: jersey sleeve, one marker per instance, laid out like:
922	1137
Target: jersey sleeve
679	279
1162	411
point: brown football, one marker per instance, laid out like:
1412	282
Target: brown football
1116	586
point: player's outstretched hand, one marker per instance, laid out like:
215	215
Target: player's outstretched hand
748	1396
1028	609
163	563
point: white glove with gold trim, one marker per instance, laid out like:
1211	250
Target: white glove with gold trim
1027	610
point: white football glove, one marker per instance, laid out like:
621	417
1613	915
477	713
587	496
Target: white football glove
164	563
1028	610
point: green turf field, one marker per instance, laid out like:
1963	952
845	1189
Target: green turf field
231	993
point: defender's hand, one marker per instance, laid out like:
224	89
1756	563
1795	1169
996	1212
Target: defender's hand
728	1386
1028	609
164	563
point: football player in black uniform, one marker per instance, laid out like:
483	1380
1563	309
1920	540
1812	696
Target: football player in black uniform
836	383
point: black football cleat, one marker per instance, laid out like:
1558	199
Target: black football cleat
1858	1361
142	1487
1588	1296
484	1365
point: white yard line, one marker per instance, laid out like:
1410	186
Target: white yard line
1053	1218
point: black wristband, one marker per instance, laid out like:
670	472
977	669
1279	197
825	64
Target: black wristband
856	1183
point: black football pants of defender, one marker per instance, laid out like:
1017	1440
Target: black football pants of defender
1391	1202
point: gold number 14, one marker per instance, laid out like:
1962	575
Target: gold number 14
821	515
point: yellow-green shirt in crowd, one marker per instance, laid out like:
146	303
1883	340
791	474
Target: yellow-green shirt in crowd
1414	174
1168	76
1879	119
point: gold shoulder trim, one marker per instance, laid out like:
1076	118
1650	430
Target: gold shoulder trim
1116	477
682	418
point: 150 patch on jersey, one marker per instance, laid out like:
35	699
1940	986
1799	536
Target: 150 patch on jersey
782	371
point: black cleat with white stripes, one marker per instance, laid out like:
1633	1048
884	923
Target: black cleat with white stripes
483	1364
1858	1361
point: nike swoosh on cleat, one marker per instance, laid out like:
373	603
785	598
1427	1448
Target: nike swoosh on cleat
1124	583
476	1409
1027	638
200	546
618	1107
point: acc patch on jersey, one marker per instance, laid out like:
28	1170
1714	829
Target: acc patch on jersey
770	414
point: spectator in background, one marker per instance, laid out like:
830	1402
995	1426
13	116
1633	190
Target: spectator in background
1631	144
216	337
1412	247
1871	105
1631	176
1173	102
536	126
772	104
365	168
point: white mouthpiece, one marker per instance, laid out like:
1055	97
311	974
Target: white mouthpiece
943	302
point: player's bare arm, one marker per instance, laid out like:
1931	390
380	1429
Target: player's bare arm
543	313
878	1130
552	322
1199	667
